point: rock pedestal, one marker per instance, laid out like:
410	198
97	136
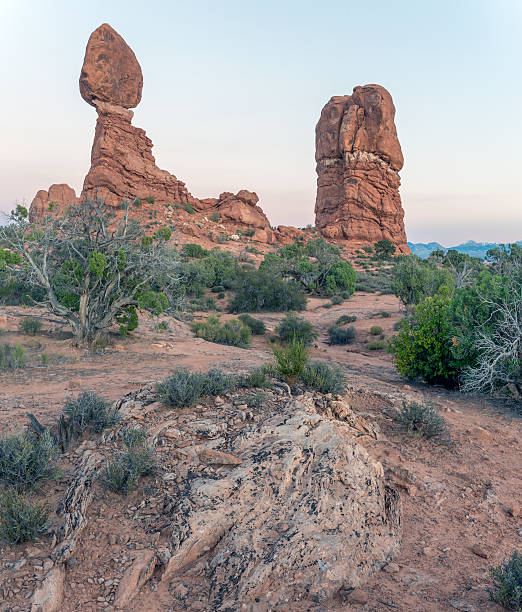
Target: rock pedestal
358	159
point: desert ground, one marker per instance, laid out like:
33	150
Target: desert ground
461	498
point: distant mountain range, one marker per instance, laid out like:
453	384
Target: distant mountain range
472	248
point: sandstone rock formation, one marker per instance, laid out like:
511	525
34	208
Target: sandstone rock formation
304	514
56	200
122	164
358	162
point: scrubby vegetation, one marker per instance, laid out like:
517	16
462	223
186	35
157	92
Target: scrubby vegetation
422	420
91	276
464	326
344	319
12	357
122	473
89	412
30	326
293	327
232	332
324	377
291	360
258	291
507	578
257	327
341	335
20	519
26	460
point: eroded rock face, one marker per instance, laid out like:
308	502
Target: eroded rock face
54	201
358	159
305	513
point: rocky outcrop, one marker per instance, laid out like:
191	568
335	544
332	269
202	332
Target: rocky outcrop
122	164
301	513
358	159
54	201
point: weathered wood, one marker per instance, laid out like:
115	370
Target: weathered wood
75	504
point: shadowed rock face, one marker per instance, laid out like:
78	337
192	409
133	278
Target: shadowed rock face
358	159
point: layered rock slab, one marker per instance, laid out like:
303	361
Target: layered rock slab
305	513
359	157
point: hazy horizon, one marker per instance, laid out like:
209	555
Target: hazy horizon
232	93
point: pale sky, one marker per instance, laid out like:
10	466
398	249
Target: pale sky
233	90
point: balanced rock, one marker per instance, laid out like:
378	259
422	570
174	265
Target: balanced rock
358	159
110	72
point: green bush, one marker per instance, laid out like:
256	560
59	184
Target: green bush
341	335
215	217
149	199
122	473
375	330
232	332
415	279
341	277
343	319
88	412
255	400
21	520
324	377
294	327
377	345
256	378
216	382
217	289
188	208
257	327
507	578
193	250
258	291
12	357
291	360
25	460
30	325
336	300
421	420
424	347
384	249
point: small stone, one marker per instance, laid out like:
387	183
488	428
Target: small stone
358	596
391	568
480	551
514	510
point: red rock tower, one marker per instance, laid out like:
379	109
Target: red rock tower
358	159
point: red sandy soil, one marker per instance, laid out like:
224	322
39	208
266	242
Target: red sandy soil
461	500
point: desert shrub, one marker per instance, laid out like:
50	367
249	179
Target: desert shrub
30	325
375	330
133	436
397	325
194	250
258	291
255	400
121	474
327	305
324	377
181	388
377	345
421	420
415	279
188	208
220	295
507	578
257	327
12	357
341	277
232	332
203	304
217	289
384	249
341	335
88	412
343	319
383	313
217	382
215	217
149	199
291	360
336	300
294	327
162	326
424	347
256	378
20	519
25	460
370	282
